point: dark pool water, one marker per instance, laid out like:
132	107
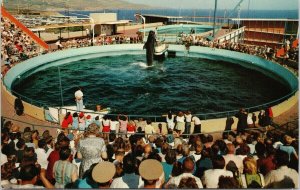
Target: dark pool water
127	85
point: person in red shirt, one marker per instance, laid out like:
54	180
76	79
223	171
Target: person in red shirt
131	127
68	120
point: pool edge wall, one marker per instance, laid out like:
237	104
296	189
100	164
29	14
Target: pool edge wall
210	125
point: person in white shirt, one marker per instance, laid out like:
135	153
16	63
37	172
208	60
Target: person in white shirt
197	124
42	154
149	129
188	169
180	123
113	125
283	177
170	120
210	178
129	179
79	99
231	156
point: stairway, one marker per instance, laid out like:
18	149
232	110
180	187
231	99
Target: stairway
6	14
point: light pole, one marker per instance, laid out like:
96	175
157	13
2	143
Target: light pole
144	22
92	24
215	11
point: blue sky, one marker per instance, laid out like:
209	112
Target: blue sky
222	4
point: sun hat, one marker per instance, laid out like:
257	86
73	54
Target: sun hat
103	172
150	169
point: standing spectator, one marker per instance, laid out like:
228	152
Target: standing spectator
52	158
131	127
81	122
75	123
170	120
91	149
64	171
180	122
149	129
197	124
123	120
242	123
113	125
106	126
188	121
68	121
79	99
42	154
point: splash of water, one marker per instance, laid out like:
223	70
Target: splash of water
141	64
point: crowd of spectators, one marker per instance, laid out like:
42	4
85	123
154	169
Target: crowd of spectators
16	46
78	159
265	52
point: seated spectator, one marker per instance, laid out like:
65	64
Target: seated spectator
170	159
103	174
29	178
226	182
150	176
231	156
188	169
282	173
188	183
129	179
265	162
205	163
210	178
64	171
251	178
288	148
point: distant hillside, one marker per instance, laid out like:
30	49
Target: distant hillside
58	5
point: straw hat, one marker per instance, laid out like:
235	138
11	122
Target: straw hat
150	169
103	172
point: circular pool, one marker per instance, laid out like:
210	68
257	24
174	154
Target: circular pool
199	82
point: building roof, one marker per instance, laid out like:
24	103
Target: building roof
118	22
162	16
263	19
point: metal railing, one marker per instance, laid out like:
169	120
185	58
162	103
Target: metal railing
160	118
44	127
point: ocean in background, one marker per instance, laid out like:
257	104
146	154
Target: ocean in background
129	14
